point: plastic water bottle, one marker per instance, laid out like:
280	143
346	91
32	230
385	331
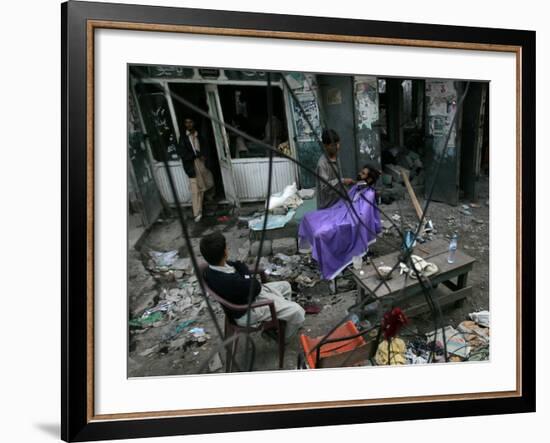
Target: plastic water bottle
452	249
409	241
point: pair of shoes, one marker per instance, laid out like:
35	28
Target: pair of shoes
198	218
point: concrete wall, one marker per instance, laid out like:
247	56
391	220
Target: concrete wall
338	113
441	106
304	87
366	116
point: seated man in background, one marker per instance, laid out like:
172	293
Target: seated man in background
232	281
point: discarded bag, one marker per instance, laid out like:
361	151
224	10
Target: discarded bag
424	268
396	349
456	343
481	318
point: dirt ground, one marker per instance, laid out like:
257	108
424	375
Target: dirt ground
181	336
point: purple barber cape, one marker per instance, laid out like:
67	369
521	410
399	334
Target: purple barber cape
336	235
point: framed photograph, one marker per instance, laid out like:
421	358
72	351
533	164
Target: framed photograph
275	221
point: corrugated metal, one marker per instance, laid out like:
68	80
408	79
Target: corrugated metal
182	182
251	177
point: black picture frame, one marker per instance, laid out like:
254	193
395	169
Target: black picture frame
77	423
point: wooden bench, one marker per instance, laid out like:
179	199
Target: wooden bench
408	293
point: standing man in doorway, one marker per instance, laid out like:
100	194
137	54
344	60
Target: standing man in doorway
329	169
200	177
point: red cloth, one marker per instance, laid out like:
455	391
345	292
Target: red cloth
393	321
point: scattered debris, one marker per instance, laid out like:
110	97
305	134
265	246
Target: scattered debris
312	307
418	351
149	351
304	280
169	319
179	328
285	245
198	334
480	354
288	198
164	306
215	363
182	264
179	343
393	321
414	359
164	259
474	334
481	318
266	248
396	348
273	221
306	194
146	321
455	342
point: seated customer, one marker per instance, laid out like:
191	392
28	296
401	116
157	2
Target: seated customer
232	281
368	174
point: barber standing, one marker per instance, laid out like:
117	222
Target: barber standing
329	169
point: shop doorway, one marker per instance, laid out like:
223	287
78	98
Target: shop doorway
246	108
195	93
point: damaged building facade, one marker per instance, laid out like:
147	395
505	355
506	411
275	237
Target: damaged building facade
394	123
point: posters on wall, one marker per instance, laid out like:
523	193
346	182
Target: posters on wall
441	97
367	115
304	87
308	102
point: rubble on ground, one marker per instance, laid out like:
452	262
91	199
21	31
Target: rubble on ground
171	331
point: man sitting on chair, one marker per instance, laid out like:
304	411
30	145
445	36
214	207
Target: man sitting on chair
232	281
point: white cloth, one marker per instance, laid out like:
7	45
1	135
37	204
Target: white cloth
194	140
290	312
228	269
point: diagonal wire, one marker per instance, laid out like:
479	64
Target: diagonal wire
266	214
405	257
335	170
408	251
185	231
261	143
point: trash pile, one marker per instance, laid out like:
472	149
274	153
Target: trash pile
168	266
398	158
467	210
468	342
398	161
300	271
177	318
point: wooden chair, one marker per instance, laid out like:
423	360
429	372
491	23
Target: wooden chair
231	328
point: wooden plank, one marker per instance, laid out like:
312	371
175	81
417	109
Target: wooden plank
444	300
412	195
452	286
462	265
430	249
